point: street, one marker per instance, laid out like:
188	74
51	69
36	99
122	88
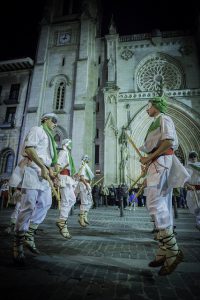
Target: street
107	260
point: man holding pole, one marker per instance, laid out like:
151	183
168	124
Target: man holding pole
84	188
40	153
193	186
66	168
164	171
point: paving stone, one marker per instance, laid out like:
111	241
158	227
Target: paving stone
107	260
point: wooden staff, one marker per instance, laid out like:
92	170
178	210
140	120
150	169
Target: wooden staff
133	144
140	190
136	181
98	181
81	168
130	178
52	188
58	193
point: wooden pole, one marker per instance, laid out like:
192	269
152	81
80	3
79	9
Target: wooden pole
133	144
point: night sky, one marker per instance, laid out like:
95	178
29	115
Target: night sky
19	21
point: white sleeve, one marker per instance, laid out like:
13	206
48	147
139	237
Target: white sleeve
62	158
33	137
167	128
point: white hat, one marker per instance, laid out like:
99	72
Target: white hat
49	116
85	157
67	143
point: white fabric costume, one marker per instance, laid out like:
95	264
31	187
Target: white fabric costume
86	193
68	197
17	196
37	196
37	190
165	173
193	197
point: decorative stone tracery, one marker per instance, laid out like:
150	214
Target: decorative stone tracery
126	54
158	71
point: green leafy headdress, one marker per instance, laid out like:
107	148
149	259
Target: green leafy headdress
160	103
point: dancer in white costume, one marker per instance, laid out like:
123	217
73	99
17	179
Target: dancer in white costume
193	186
40	154
67	184
84	188
164	171
16	199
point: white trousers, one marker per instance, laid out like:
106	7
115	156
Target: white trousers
193	203
86	197
16	211
68	199
158	194
34	207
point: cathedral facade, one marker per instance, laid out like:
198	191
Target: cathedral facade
100	86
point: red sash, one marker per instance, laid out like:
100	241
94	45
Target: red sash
169	151
197	186
65	172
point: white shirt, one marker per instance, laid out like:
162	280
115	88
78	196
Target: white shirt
63	159
165	131
38	139
86	172
195	174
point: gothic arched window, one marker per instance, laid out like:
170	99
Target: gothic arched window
7	161
59	100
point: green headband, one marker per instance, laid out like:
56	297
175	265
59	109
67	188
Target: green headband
160	103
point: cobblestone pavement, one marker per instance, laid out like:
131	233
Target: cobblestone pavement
107	260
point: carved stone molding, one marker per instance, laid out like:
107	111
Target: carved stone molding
186	50
59	78
111	98
126	54
170	93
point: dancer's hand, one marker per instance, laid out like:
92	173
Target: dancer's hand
145	160
44	172
51	173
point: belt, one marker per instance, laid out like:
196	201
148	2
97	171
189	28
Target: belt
169	151
197	186
65	172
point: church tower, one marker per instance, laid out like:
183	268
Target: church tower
65	74
100	86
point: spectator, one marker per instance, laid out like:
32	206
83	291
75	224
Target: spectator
133	201
105	193
95	196
120	196
125	195
112	195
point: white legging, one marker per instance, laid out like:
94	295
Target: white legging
68	199
86	197
34	207
159	196
193	203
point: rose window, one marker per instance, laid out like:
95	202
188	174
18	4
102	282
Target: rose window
159	72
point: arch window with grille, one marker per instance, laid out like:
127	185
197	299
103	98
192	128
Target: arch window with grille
7	162
59	101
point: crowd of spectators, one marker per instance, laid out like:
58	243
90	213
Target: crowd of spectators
115	196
